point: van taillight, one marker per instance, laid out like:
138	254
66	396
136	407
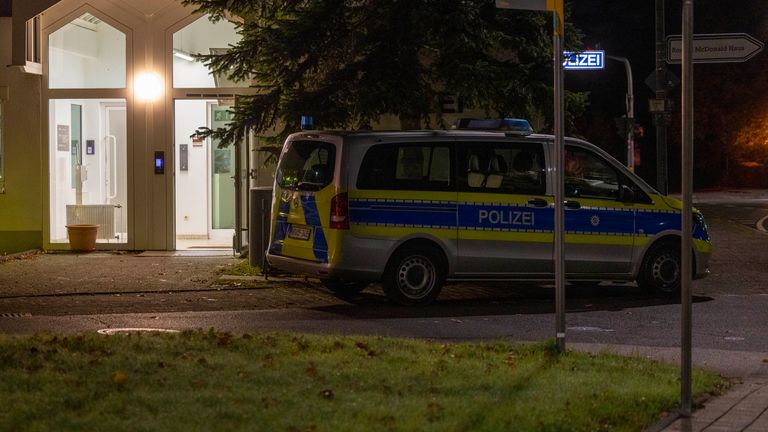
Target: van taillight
340	211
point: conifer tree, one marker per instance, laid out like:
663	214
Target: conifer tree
349	62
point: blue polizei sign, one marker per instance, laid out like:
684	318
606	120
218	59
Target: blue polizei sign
583	60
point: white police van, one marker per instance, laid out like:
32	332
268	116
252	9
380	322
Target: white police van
414	209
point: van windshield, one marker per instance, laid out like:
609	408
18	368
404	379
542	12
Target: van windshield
307	165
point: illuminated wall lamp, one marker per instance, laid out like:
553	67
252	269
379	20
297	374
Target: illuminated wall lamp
148	87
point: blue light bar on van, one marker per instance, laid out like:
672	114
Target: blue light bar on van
504	124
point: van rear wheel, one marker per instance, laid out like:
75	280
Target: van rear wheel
414	276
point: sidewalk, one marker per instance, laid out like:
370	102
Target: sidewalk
35	273
743	408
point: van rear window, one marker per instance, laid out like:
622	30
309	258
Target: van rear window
307	165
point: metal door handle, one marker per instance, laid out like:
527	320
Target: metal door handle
537	202
573	205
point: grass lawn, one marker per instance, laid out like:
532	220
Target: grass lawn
205	381
242	268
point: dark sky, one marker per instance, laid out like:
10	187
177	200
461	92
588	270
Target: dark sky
626	29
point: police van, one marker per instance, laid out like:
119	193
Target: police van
416	209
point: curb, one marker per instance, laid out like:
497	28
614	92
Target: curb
20	255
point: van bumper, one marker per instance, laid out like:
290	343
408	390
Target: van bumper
319	270
702	264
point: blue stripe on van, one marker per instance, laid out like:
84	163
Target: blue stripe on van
281	227
312	217
489	216
426	214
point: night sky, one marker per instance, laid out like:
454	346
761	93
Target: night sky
626	29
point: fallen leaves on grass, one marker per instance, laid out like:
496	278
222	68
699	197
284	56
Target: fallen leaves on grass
119	378
364	347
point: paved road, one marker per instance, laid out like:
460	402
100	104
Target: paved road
730	310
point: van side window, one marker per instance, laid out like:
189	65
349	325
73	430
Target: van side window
498	167
589	176
406	167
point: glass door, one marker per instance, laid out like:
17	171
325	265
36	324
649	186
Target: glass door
205	178
222	173
88	167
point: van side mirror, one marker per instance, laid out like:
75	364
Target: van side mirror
626	194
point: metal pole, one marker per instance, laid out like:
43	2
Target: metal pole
662	177
559	130
686	212
630	105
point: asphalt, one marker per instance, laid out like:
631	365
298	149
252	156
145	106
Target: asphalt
34	275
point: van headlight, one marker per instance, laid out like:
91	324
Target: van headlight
700	223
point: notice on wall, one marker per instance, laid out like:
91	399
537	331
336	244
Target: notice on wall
62	138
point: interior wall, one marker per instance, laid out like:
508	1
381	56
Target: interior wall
192	188
21	204
87	58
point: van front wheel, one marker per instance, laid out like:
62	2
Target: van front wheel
660	273
414	276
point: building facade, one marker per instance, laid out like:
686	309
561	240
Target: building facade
98	109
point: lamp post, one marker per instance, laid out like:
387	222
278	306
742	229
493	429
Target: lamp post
630	106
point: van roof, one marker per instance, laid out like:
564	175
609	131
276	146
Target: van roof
389	134
413	133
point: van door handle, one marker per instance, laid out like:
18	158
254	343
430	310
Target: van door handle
573	205
537	202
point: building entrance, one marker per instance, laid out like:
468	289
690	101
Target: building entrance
205	177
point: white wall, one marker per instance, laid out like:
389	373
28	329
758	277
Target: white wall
60	169
191	74
192	219
84	58
198	38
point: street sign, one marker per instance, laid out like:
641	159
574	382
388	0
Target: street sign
540	5
657	105
584	60
715	48
670	80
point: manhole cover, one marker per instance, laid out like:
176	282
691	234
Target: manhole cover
111	331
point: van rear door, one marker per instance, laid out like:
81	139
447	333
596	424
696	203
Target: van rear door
304	189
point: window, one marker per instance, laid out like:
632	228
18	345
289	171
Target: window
86	53
307	165
202	37
88	165
33	40
406	167
588	176
511	168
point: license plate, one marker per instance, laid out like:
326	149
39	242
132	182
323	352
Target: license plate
300	232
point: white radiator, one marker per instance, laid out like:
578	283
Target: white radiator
102	215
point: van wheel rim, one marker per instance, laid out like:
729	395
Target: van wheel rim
665	270
416	277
